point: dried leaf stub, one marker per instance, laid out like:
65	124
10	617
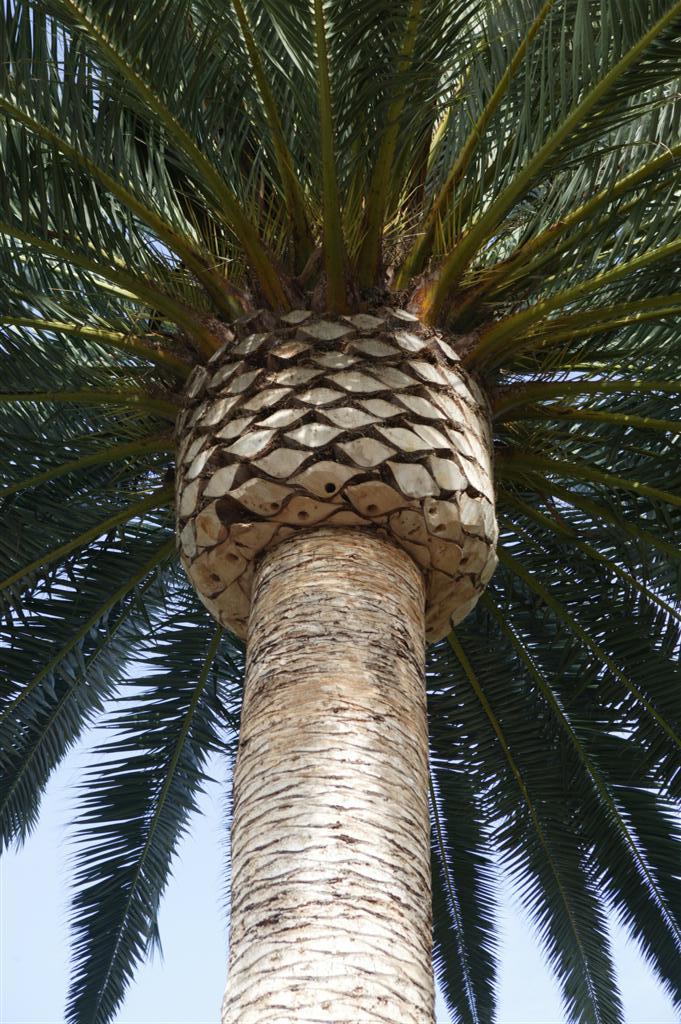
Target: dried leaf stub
366	420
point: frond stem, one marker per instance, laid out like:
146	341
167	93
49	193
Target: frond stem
160	803
561	612
225	296
334	245
521	259
492	347
115	452
596	321
459	259
295	198
117	339
510	464
96	396
577	414
159	498
472	678
531	393
164	552
589	767
420	251
139	287
600	514
377	197
227	203
610	564
453	900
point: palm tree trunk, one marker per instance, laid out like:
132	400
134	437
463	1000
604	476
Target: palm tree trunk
331	902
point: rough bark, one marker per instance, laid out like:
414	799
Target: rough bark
357	421
331	901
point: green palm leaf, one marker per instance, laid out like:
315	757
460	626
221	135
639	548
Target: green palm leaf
60	693
507	170
136	803
634	882
463	891
538	845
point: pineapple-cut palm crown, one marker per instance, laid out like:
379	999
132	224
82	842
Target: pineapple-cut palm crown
508	172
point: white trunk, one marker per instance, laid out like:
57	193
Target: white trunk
331	900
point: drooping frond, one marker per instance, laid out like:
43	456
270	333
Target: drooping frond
536	842
138	797
508	171
464	890
575	661
65	666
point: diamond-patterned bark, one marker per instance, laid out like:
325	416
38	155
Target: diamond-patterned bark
366	420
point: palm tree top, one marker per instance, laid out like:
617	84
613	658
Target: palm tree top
508	172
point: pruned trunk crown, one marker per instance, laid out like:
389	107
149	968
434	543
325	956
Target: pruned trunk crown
364	420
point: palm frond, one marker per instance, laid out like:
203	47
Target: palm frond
63	667
464	893
126	50
507	169
603	81
538	846
136	803
334	244
630	880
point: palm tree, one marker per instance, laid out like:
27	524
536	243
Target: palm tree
315	307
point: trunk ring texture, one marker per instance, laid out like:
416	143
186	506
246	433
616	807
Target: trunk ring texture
331	900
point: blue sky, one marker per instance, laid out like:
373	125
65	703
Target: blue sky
186	986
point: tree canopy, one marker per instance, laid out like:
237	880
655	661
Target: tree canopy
509	169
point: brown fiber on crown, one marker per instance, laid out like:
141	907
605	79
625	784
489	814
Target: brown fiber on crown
367	420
